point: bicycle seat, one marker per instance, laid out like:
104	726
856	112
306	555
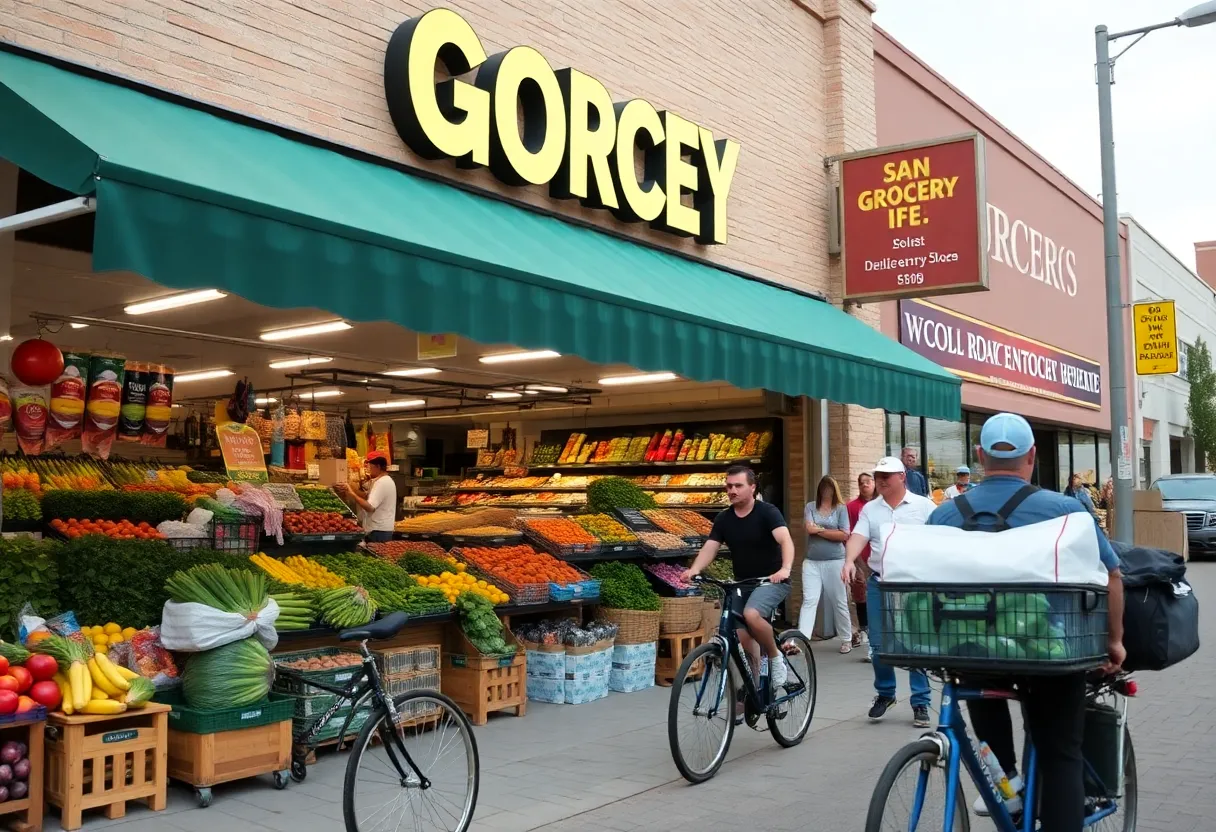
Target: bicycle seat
386	627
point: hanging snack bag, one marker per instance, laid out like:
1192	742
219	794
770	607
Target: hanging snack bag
30	417
134	408
6	407
102	404
67	401
160	406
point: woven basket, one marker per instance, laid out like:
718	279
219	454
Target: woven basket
635	626
712	612
681	615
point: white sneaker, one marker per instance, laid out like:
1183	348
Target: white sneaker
778	672
869	654
1014	805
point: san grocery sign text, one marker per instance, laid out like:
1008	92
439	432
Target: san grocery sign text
573	137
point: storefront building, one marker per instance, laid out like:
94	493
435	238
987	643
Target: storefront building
317	160
1161	421
1034	342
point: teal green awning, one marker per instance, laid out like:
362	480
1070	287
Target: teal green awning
193	200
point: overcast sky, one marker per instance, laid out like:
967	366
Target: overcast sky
1030	65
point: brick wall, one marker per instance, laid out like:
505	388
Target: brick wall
752	70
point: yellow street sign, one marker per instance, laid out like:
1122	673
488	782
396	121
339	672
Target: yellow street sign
1156	338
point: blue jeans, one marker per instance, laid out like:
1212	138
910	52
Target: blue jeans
884	677
379	537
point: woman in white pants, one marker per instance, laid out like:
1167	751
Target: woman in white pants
827	528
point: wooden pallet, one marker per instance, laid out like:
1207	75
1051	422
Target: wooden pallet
482	685
101	762
672	650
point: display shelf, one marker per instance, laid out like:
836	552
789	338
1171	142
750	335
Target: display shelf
513	489
561	506
601	466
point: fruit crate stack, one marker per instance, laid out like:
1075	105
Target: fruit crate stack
329	666
405	669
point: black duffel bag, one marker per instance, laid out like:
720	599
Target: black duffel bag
1161	612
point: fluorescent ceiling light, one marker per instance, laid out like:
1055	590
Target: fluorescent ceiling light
79	326
300	362
545	388
201	375
320	394
269	400
504	394
173	302
400	404
413	371
304	331
530	355
639	378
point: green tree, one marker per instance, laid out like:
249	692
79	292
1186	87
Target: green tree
1201	408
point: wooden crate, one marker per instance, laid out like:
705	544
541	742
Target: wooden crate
204	760
101	762
672	650
481	685
25	815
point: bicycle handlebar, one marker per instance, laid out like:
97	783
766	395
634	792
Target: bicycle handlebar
696	579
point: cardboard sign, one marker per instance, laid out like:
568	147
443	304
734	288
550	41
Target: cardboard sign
1156	338
432	347
242	450
478	439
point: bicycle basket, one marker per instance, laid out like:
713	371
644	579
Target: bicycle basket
1003	628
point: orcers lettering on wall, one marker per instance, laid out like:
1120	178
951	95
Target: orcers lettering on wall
571	135
1031	252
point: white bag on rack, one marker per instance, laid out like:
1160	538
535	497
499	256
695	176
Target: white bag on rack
193	628
1063	550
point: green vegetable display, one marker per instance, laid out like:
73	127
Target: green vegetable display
136	506
321	499
28	572
416	563
480	624
223	513
389	585
230	590
232	676
616	492
21	506
624	586
207	477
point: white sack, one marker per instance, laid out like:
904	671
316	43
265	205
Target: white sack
193	628
1063	550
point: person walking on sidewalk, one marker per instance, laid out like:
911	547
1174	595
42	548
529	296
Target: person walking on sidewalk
895	504
827	528
857	589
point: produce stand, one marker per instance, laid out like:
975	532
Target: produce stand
134	743
25	815
207	748
482	684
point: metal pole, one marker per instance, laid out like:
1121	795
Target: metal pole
1120	427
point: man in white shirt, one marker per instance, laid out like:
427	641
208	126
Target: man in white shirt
895	504
378	504
962	482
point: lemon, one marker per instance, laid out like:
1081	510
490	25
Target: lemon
481	584
112	628
128	632
116	638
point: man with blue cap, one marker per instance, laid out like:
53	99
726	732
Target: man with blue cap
1054	705
962	482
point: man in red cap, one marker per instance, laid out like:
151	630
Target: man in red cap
377	500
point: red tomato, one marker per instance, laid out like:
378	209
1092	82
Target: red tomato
41	667
46	693
24	678
8	682
8	702
3	666
24	703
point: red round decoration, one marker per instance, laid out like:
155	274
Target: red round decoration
37	362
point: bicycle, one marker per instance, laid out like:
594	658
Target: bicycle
949	748
714	684
402	724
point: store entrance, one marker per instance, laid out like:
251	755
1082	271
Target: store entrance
1047	460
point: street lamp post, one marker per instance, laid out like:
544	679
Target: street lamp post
1120	425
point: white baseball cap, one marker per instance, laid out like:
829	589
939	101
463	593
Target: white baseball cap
889	465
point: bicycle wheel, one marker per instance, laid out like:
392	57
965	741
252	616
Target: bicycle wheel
1124	819
700	724
788	730
911	794
440	741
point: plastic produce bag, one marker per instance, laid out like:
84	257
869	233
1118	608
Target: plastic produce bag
144	654
192	627
29	622
200	517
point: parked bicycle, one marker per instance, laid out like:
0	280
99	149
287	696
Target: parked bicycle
713	678
920	787
406	744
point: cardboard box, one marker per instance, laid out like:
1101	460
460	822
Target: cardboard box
1146	500
1161	530
331	471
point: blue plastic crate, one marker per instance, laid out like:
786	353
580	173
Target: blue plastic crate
588	590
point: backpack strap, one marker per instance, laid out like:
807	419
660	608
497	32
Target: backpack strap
1013	502
964	509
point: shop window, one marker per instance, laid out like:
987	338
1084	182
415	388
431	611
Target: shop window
1183	357
1105	471
945	450
1085	458
975	423
1063	460
895	433
912	439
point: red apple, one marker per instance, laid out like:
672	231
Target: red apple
46	693
8	702
9	682
41	667
24	678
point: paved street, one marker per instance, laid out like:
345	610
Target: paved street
606	765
